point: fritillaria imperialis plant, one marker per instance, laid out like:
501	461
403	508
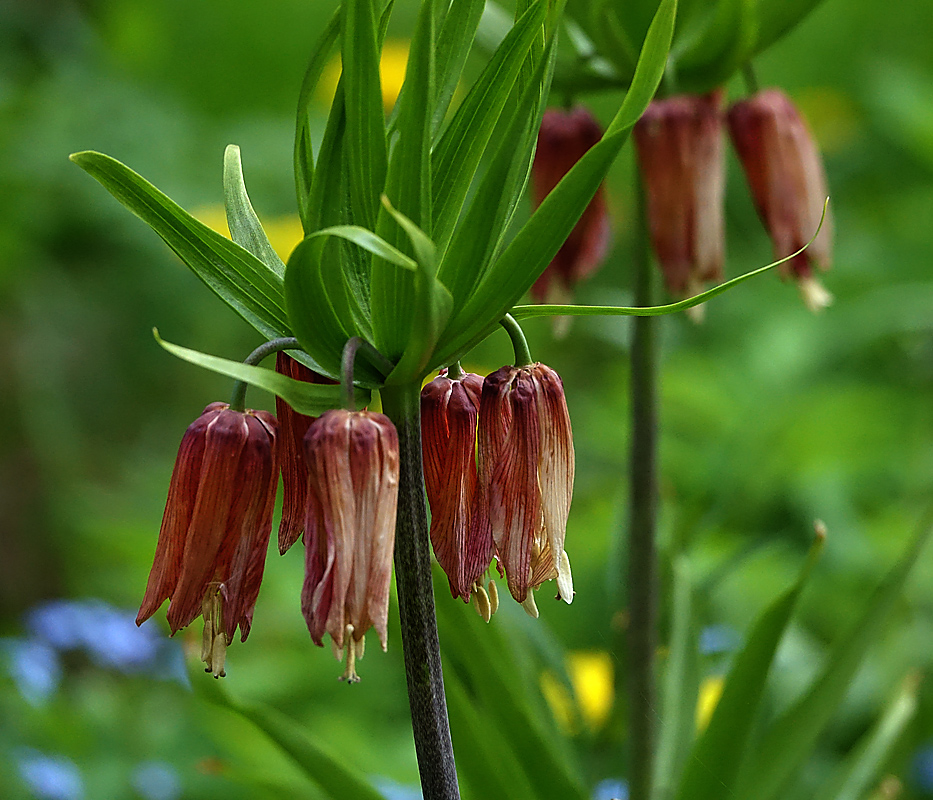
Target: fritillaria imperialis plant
414	251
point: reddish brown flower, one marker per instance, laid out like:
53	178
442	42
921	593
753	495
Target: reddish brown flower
563	139
215	531
679	144
353	464
292	429
788	184
449	413
526	466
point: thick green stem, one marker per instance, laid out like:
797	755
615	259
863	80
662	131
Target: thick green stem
643	505
519	343
435	752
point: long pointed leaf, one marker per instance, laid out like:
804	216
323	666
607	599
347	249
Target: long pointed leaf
454	40
234	274
366	134
787	744
304	154
306	398
861	768
460	148
336	778
542	236
408	185
245	228
713	765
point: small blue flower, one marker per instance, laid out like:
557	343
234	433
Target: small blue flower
716	639
50	777
611	789
34	667
155	780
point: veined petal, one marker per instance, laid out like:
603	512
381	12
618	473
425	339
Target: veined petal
514	494
252	527
182	495
226	436
333	537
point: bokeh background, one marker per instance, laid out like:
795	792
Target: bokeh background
772	417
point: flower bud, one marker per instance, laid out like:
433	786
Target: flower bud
563	139
526	466
788	185
353	468
218	517
292	429
449	413
679	144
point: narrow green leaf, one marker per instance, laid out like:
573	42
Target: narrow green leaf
323	308
861	768
496	194
680	688
460	148
306	398
365	141
542	236
479	653
713	764
486	760
234	274
544	310
779	17
329	772
454	40
430	308
788	742
245	228
304	154
409	186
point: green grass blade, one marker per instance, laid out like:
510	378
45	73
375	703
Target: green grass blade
454	40
245	228
304	154
408	187
306	398
713	764
365	142
234	274
460	148
542	236
788	742
680	688
861	768
335	777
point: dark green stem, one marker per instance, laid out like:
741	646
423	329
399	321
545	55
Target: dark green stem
455	371
402	404
238	398
519	344
643	505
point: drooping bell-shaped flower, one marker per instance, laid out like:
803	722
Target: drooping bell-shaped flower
215	531
679	144
449	414
788	185
526	466
353	467
291	456
563	139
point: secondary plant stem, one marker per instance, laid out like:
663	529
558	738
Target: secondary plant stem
402	404
238	399
643	504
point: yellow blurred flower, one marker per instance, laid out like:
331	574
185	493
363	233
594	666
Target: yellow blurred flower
710	692
392	67
284	232
591	675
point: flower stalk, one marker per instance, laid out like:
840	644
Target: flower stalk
402	404
641	577
238	398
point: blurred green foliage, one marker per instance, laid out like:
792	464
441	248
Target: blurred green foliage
771	417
